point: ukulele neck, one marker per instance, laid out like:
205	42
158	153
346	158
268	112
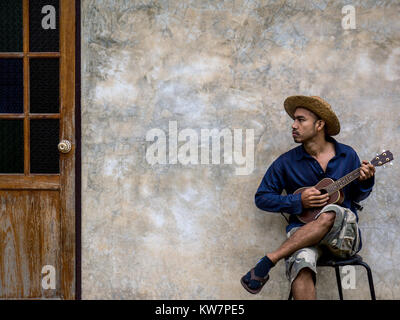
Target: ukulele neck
342	182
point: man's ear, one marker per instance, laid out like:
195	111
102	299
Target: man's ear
320	124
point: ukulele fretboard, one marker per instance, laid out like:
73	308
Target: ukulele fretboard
344	181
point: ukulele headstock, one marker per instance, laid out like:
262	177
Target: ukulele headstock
381	159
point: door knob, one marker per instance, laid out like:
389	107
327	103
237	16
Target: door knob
64	146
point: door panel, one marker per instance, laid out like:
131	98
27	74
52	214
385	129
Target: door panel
37	182
30	240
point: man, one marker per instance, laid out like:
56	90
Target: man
335	229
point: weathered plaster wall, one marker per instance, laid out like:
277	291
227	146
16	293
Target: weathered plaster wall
179	231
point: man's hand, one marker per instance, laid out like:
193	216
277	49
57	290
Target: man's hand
367	170
312	197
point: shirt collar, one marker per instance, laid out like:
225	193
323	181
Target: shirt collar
302	153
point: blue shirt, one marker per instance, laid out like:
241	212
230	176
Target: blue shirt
296	168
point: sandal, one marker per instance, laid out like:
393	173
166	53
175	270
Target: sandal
263	281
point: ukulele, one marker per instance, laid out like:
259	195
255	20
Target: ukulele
334	188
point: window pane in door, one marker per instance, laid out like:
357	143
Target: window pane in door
11	146
11	26
11	86
44	139
44	85
44	26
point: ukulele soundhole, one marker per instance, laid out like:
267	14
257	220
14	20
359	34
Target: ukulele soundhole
323	191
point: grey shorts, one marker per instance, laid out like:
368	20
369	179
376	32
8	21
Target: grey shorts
342	240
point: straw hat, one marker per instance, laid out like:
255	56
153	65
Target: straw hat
317	105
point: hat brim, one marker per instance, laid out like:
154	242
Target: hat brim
317	106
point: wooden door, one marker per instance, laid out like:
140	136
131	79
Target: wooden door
37	182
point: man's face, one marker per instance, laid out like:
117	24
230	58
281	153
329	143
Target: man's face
304	125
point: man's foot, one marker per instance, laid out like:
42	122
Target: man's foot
256	278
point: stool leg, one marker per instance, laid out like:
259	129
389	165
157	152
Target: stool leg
339	282
370	280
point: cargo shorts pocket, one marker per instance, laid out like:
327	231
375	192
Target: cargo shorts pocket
347	241
351	240
343	240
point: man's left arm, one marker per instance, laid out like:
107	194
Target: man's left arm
362	187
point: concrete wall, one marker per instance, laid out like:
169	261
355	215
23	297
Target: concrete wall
176	231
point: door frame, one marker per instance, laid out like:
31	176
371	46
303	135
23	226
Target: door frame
78	164
67	168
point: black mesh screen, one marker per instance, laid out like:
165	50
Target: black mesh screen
43	149
11	86
11	26
11	146
43	17
44	85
